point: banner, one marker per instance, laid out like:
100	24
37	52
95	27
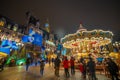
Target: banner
5	50
37	40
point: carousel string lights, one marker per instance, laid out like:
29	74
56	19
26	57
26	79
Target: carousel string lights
86	41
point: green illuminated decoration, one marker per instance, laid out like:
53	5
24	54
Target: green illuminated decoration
21	61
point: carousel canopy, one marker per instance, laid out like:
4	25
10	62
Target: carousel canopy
83	38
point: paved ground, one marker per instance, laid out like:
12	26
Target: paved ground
19	73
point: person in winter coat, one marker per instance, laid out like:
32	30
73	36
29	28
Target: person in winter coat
72	65
42	65
52	61
57	66
66	67
81	67
27	63
84	69
91	69
113	69
35	60
2	64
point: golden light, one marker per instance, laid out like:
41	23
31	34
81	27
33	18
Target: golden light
114	55
85	40
3	54
2	23
13	34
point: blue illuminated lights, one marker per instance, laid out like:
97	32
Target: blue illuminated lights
33	37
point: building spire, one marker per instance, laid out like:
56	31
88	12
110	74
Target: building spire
47	25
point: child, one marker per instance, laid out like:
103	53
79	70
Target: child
83	70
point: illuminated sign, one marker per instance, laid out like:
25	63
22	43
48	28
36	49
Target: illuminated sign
33	37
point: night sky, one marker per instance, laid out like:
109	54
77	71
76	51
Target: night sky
65	15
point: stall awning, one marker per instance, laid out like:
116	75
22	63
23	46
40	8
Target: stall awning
3	54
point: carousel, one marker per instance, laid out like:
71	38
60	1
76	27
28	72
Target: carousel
85	42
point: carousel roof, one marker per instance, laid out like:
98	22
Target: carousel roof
99	37
81	28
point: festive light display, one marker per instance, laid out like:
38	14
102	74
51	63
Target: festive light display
20	61
87	41
33	37
50	43
2	23
3	54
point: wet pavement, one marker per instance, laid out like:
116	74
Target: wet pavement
19	73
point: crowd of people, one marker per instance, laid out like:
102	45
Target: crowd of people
86	68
